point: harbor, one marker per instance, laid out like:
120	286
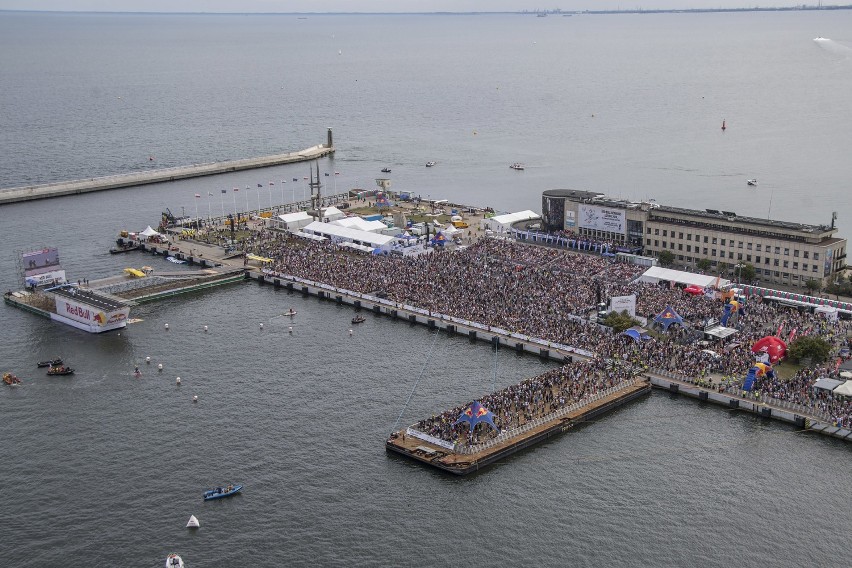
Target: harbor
133	179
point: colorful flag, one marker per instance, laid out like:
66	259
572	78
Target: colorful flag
197	195
236	189
224	191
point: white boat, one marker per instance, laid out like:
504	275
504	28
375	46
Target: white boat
429	164
192	523
517	166
174	561
751	181
175	260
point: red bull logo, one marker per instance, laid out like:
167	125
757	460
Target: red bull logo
78	311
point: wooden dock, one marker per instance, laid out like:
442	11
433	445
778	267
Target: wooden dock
464	460
48	190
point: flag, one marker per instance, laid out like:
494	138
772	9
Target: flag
224	191
260	185
197	195
271	183
209	193
236	189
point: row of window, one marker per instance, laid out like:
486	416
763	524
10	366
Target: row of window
758	271
730	243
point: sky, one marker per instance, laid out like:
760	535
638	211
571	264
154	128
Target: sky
244	6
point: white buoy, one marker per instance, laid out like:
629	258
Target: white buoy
195	398
177	381
148	360
290	329
350	332
167	326
160	367
261	326
205	328
193	523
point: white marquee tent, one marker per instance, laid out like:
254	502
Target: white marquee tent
656	274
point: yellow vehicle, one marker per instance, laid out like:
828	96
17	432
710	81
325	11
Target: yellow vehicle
460	224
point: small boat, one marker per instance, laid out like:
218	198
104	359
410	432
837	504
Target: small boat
174	561
429	164
359	319
290	313
751	181
386	170
126	248
723	125
60	370
221	492
11	379
192	523
517	166
175	260
52	363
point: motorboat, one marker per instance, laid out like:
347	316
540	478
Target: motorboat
124	248
751	181
384	171
52	363
174	561
175	260
429	164
220	492
60	370
517	166
11	379
359	319
290	313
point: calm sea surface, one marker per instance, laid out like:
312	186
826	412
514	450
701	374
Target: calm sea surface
103	467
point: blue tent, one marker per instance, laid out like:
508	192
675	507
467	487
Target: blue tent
667	317
475	414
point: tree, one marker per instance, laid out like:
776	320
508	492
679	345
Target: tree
810	347
812	285
747	273
704	264
666	257
723	268
619	321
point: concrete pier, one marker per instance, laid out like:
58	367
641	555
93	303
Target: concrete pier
45	191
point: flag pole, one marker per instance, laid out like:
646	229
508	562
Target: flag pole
197	197
235	203
209	194
223	204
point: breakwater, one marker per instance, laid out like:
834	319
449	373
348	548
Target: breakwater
74	187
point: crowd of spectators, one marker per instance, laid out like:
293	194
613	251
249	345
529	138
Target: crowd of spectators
549	294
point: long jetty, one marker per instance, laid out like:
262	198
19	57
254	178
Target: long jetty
58	189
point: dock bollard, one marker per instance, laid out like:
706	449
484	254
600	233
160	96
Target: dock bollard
160	367
148	360
177	381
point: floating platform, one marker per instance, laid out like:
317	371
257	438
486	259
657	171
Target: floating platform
439	455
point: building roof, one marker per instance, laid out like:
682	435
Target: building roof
345	233
510	218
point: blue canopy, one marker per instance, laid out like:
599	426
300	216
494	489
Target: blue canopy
667	317
476	413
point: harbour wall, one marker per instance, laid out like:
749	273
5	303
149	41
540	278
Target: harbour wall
48	190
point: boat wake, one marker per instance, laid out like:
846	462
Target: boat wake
832	46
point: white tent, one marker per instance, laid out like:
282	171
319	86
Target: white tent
844	390
657	273
149	232
361	224
503	223
332	213
827	311
293	221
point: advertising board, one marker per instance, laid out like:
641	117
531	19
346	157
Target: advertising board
602	219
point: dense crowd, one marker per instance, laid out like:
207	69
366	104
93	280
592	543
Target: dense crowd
549	294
